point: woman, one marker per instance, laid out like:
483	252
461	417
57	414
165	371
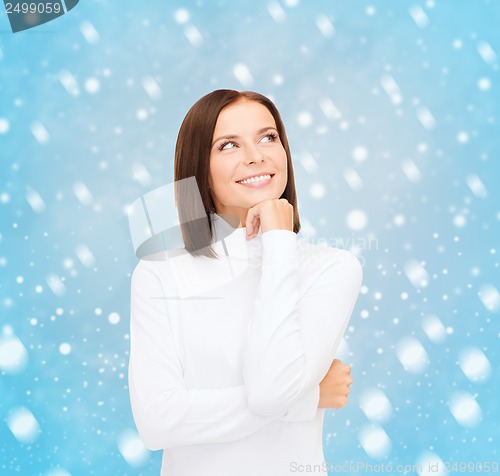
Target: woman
234	379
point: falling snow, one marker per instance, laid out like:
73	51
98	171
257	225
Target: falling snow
23	425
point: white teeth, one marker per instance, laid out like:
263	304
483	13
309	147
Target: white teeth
256	179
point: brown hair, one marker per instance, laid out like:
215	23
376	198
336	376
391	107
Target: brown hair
192	158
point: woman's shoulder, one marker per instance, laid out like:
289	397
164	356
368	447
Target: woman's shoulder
317	257
183	275
152	266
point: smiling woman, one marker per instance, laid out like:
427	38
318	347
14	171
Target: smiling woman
234	378
228	136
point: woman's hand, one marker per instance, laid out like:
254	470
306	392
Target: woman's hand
334	388
272	214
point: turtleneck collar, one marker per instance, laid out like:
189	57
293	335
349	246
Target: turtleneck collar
232	242
196	275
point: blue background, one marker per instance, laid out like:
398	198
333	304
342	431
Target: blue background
90	107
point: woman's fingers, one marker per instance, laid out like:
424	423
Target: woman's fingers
252	214
271	214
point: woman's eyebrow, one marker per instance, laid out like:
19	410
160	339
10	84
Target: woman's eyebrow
232	136
225	137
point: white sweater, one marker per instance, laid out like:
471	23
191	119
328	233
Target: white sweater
227	355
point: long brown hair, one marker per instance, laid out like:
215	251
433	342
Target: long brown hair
192	158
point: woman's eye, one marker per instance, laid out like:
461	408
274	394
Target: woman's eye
269	137
226	145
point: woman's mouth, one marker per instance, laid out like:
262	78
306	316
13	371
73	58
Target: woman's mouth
258	181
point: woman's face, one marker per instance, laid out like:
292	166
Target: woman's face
246	144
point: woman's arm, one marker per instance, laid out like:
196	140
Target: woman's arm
165	412
292	339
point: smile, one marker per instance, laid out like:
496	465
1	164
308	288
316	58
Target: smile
259	181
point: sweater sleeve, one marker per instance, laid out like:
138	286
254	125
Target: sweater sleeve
166	413
292	338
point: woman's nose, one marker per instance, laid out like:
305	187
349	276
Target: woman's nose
254	154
